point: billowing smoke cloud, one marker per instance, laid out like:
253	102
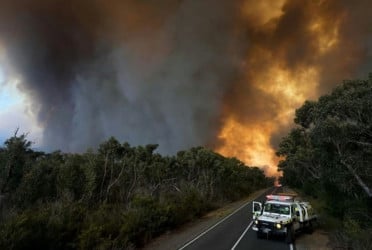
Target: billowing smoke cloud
142	71
227	74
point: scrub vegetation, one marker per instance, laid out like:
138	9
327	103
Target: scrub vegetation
117	197
328	155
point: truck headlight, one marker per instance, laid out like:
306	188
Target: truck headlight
278	226
256	222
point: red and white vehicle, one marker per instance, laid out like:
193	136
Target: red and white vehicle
282	214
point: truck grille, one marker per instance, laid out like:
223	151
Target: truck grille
265	224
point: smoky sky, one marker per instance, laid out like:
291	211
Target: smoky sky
165	71
142	71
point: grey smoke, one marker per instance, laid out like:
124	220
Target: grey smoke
165	71
92	75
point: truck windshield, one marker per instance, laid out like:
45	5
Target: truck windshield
276	208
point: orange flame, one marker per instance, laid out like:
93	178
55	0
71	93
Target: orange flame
288	86
251	142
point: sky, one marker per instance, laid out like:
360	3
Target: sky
227	75
15	113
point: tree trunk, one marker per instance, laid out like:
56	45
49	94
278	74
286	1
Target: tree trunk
353	172
359	180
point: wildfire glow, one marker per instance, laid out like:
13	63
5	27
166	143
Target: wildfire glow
263	11
291	88
327	37
288	86
250	143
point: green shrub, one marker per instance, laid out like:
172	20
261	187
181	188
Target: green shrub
50	226
101	228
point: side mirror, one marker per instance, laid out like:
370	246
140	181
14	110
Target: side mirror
256	208
297	213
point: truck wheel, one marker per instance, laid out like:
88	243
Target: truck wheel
310	228
290	236
259	235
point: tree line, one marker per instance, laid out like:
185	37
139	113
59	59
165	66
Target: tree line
115	197
328	154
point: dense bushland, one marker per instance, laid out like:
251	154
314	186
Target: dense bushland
329	155
117	197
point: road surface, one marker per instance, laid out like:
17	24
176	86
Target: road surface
234	232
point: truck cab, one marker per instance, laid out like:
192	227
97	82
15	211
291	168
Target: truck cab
281	214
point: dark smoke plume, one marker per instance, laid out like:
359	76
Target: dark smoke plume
142	71
172	72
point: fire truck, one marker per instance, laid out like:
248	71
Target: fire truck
282	214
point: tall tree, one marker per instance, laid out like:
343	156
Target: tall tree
333	140
14	158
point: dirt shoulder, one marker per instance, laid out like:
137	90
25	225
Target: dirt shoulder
318	240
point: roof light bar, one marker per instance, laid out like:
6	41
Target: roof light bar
279	197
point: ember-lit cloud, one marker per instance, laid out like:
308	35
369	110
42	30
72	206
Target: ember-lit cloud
223	74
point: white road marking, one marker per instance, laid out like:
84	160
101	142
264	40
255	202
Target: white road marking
245	231
241	236
215	225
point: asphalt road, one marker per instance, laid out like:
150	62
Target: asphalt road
234	232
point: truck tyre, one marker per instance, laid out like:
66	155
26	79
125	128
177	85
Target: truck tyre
259	235
309	228
290	236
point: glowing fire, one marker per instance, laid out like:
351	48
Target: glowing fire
262	11
288	86
327	35
250	143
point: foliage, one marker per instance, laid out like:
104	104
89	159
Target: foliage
117	197
46	226
329	153
15	158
